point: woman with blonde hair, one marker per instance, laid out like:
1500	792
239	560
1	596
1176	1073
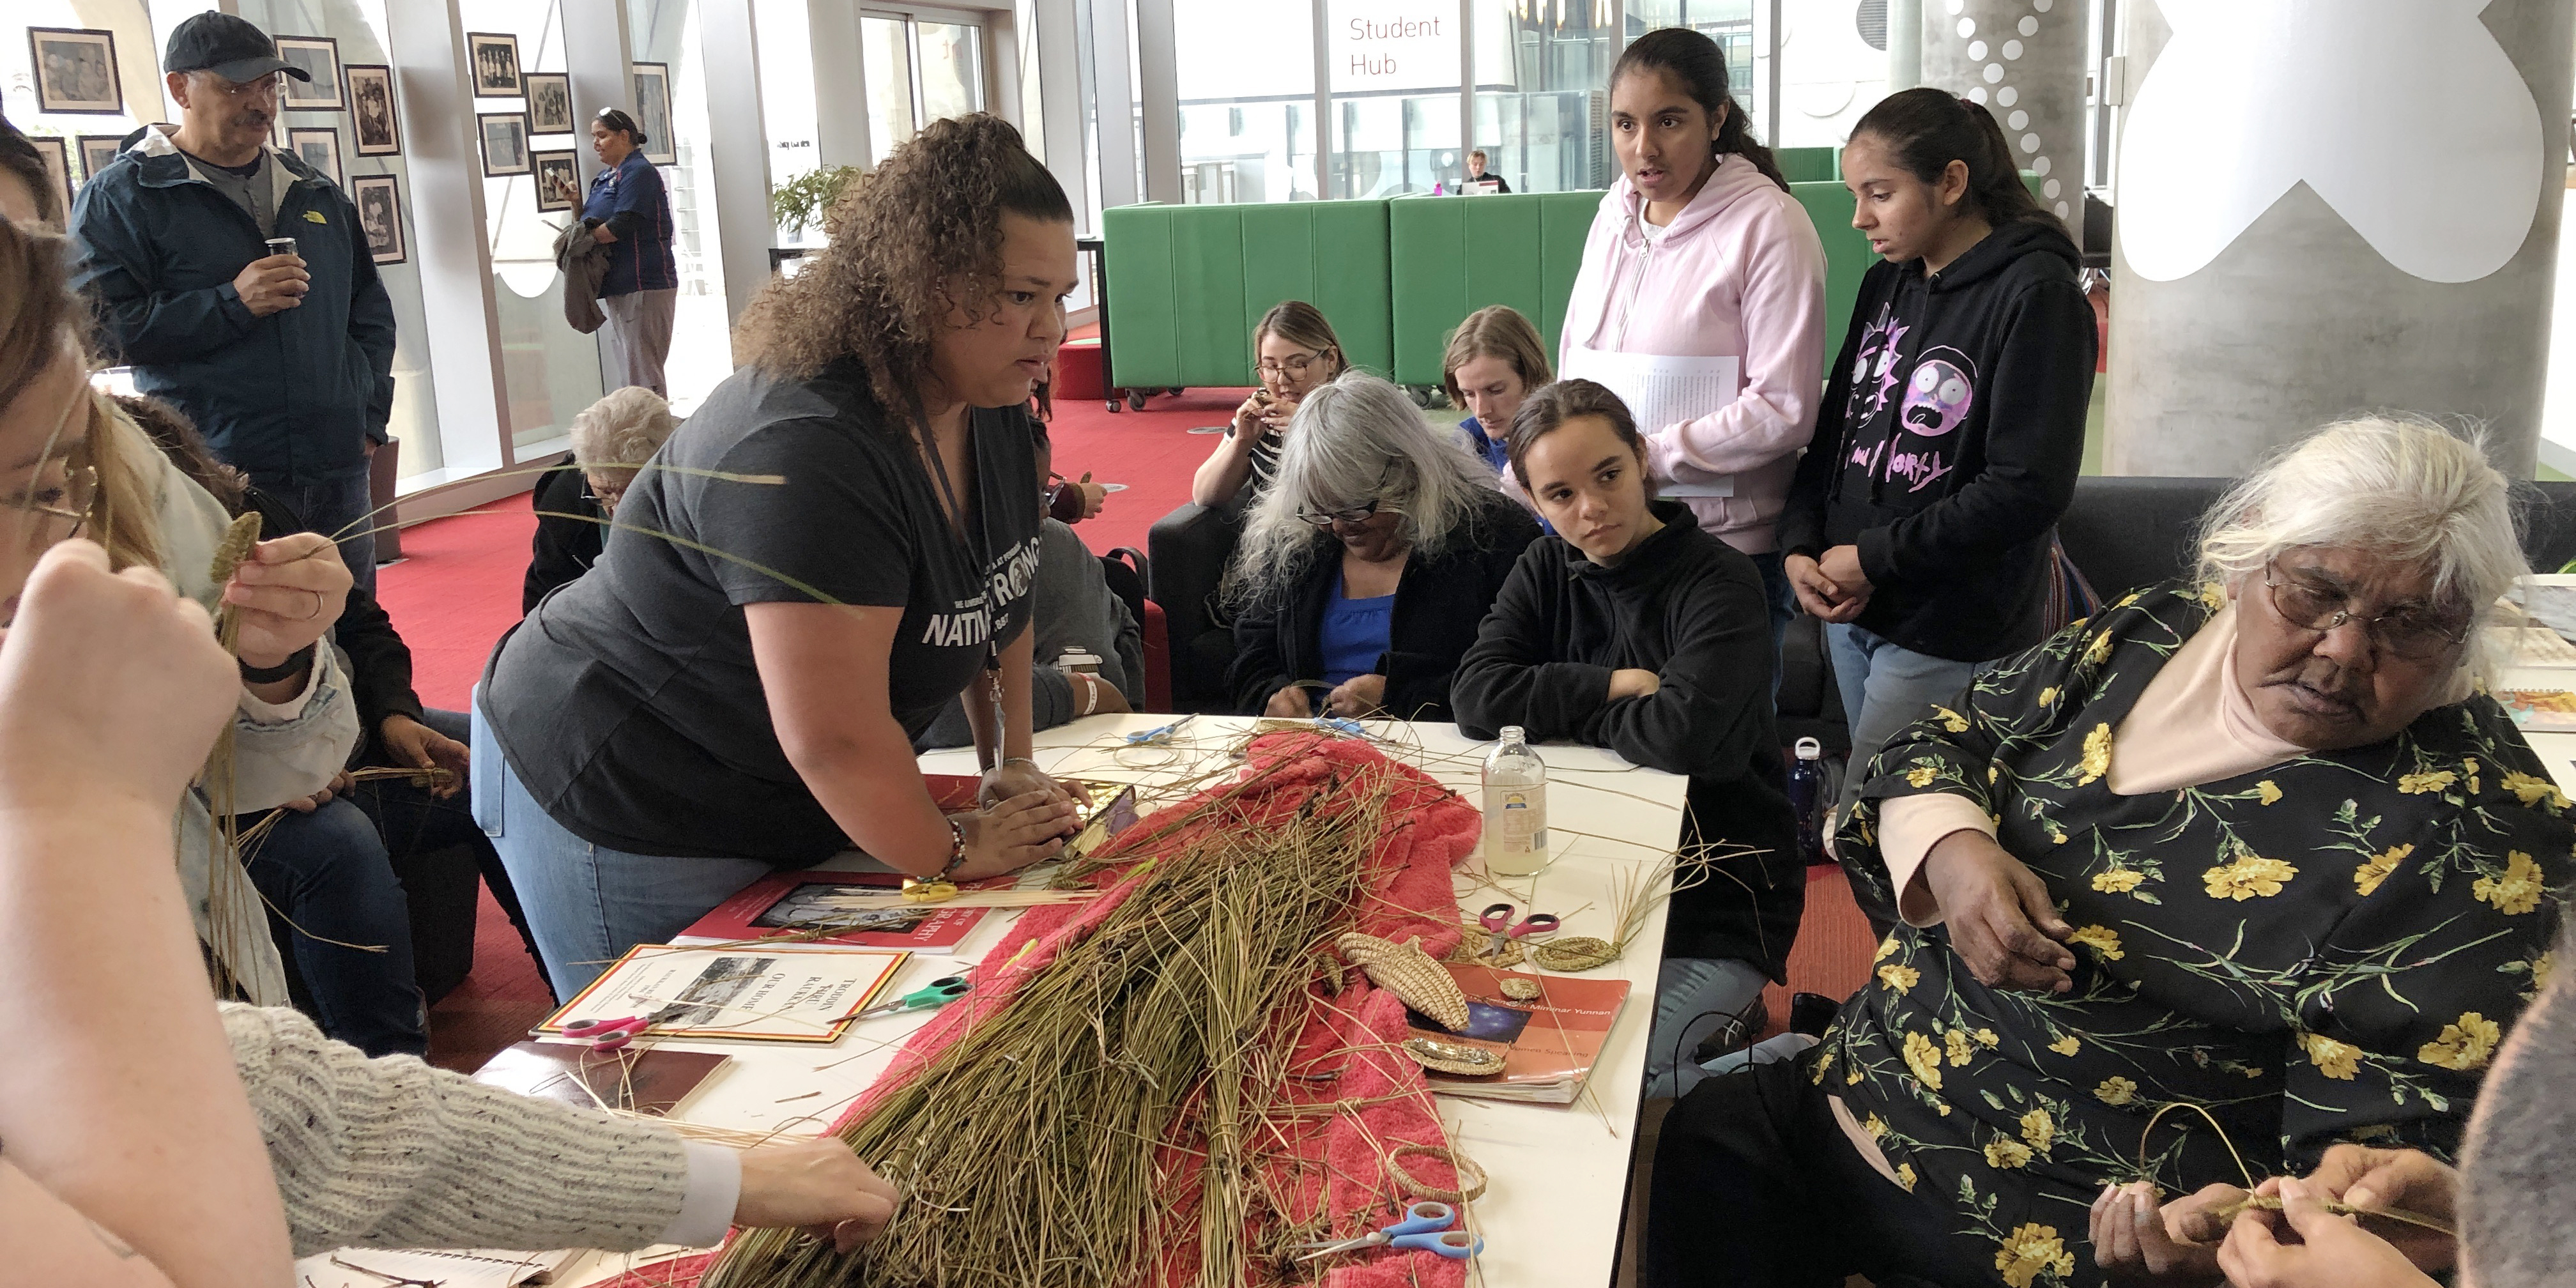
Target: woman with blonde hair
1367	563
81	466
1295	353
835	547
1494	360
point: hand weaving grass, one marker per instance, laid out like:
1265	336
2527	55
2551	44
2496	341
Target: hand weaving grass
1054	1139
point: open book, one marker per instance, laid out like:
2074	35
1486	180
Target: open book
1548	1044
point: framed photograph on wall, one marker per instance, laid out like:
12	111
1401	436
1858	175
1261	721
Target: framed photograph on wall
318	147
549	102
319	58
96	150
58	168
653	112
505	142
558	181
379	202
495	57
75	71
371	109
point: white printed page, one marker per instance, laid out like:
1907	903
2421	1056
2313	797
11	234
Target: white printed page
1663	391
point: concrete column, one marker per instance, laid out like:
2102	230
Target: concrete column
737	150
2323	239
2025	60
1904	44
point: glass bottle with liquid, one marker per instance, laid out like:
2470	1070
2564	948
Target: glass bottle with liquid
1515	808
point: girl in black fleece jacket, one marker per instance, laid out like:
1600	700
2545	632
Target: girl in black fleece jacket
1920	524
1634	630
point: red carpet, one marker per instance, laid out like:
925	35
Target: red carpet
1152	452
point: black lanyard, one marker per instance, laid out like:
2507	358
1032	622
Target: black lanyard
976	546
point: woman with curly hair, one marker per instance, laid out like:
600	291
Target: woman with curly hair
835	547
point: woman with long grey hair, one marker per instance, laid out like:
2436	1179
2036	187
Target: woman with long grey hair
1368	561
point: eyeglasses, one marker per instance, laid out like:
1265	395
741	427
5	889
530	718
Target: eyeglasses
256	87
53	502
2414	633
1294	365
1327	518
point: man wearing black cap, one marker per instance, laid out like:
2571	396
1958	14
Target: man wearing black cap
284	361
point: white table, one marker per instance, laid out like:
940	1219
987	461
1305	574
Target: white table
2556	750
1558	1175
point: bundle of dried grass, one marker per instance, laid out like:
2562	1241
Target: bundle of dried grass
1050	1141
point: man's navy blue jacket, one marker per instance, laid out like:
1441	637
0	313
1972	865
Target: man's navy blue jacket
289	398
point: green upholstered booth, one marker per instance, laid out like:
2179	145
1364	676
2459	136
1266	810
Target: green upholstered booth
1451	256
1188	283
1847	254
1810	165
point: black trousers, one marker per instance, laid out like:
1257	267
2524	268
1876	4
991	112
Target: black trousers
1756	1184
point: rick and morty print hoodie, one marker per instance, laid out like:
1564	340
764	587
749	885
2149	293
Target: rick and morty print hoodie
1948	443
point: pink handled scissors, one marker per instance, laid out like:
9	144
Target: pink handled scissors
1498	920
607	1035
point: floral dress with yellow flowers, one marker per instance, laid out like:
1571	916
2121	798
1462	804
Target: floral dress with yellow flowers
2326	950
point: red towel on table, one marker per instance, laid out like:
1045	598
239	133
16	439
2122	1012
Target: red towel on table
1340	1165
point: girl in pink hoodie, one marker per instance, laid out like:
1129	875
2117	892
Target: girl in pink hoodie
1699	251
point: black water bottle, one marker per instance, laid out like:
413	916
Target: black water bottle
1806	798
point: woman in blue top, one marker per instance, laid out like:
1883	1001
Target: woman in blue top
629	212
1368	561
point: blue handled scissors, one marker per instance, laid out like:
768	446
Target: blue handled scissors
937	993
1425	1226
1497	920
1159	734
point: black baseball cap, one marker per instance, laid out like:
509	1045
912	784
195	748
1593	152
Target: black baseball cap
227	45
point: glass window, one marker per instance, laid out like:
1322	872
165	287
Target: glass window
1542	102
885	55
666	32
787	109
1395	79
951	58
1247	95
549	372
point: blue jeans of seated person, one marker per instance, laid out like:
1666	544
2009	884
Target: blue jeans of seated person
1884	688
336	508
1694	998
587	904
1783	602
328	875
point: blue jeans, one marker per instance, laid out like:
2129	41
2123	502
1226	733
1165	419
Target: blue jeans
337	508
587	904
1784	605
328	875
1886	687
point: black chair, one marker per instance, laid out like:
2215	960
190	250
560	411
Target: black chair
1190	548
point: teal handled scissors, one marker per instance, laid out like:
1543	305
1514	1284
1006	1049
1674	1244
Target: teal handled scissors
1425	1226
1159	735
929	997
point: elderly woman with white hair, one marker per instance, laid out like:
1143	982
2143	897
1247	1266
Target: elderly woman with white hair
1368	561
2256	844
611	440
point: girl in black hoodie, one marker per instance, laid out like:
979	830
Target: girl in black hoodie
1920	522
1635	630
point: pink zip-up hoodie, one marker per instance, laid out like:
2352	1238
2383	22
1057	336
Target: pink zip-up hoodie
1739	273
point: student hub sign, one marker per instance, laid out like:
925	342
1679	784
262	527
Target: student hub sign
1399	46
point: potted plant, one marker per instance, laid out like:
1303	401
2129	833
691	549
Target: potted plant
802	202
